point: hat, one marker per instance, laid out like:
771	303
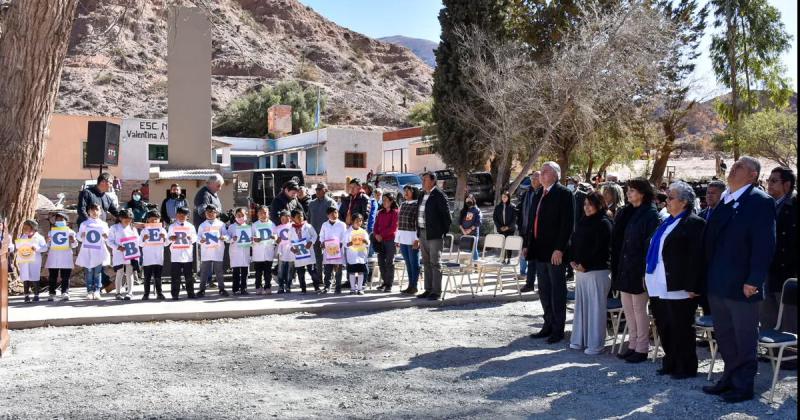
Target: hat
291	186
322	186
355	181
211	207
59	214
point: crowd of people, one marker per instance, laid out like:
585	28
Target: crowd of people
662	251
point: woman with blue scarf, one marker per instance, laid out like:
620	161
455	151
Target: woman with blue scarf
673	278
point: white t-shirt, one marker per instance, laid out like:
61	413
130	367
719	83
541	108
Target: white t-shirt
336	230
239	250
353	256
264	250
61	258
96	254
208	253
33	271
298	242
115	235
183	255
284	248
152	255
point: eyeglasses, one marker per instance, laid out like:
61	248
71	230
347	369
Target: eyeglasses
774	180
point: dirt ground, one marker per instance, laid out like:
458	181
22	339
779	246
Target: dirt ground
473	361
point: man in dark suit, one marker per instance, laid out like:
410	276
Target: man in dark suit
525	209
780	186
548	238
433	223
739	244
713	195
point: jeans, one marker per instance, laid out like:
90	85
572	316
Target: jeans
411	257
333	270
285	275
65	274
553	295
523	267
386	250
240	279
263	271
93	276
209	268
530	276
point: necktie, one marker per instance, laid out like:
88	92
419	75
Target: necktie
536	219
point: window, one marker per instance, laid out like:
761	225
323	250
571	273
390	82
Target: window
157	152
425	150
355	160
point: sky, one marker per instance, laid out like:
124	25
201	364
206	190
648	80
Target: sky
419	19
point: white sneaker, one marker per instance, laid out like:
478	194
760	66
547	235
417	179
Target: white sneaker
97	296
89	295
65	296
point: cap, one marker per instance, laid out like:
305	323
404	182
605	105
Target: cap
322	186
291	186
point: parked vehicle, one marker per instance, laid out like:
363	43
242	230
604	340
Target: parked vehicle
479	184
257	187
394	182
443	178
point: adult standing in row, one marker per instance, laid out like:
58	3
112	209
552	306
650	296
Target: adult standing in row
97	194
713	195
633	226
739	245
407	237
206	196
589	255
505	219
524	219
674	278
433	223
614	198
285	200
551	228
169	207
384	233
780	186
355	202
318	214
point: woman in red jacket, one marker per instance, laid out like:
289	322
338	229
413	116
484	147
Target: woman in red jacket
383	234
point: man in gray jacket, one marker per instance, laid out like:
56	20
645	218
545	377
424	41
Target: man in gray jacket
318	214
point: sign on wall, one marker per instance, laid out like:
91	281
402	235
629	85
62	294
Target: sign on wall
137	137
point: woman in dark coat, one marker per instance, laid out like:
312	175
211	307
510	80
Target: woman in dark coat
674	279
633	226
505	217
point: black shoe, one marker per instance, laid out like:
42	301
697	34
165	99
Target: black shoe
732	397
146	297
281	291
200	294
337	292
303	291
224	292
636	357
175	298
555	338
385	289
245	292
433	296
424	295
409	291
543	333
36	298
27	299
192	296
680	376
663	371
716	389
160	297
526	289
625	355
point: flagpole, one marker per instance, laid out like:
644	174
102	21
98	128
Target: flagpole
317	124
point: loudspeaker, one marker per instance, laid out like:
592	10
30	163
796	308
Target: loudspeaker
102	148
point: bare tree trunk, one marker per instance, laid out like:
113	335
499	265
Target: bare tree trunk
502	172
662	158
461	191
563	162
603	166
589	167
32	50
730	18
537	147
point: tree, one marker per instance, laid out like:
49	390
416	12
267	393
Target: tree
746	57
34	36
689	20
247	116
448	87
421	114
771	134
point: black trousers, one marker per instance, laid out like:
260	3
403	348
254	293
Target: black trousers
312	272
176	270
53	279
553	295
152	273
336	271
736	330
239	279
263	272
675	324
386	251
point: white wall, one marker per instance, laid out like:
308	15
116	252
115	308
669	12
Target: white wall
347	140
419	164
135	136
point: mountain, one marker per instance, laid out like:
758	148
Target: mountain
117	60
423	48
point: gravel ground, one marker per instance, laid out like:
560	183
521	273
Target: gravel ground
472	361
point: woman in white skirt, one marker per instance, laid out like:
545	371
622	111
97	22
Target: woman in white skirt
589	257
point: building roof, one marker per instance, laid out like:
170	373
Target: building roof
405	133
293	149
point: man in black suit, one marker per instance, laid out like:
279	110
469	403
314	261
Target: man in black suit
433	223
780	186
739	244
524	218
713	195
548	239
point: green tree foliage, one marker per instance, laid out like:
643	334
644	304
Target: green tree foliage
247	116
745	54
447	88
771	134
421	114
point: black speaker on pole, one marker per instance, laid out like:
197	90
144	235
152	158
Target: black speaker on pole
102	148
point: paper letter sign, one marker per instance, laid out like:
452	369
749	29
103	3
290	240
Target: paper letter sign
211	237
131	251
300	251
243	238
263	231
153	234
59	239
94	237
25	252
358	238
181	237
333	250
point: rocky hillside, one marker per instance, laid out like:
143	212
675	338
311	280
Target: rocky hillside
117	60
421	47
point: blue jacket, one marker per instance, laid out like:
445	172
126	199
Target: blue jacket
373	212
739	243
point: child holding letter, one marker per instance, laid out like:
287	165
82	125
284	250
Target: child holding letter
153	239
357	246
332	237
263	250
241	235
94	253
285	255
61	240
124	241
31	245
211	236
182	236
302	236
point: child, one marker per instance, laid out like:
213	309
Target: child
241	235
30	273
302	236
333	229
153	256
357	255
182	236
59	261
212	250
263	250
285	255
94	252
123	267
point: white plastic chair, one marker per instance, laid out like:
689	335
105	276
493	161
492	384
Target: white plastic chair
513	244
493	241
775	339
461	266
